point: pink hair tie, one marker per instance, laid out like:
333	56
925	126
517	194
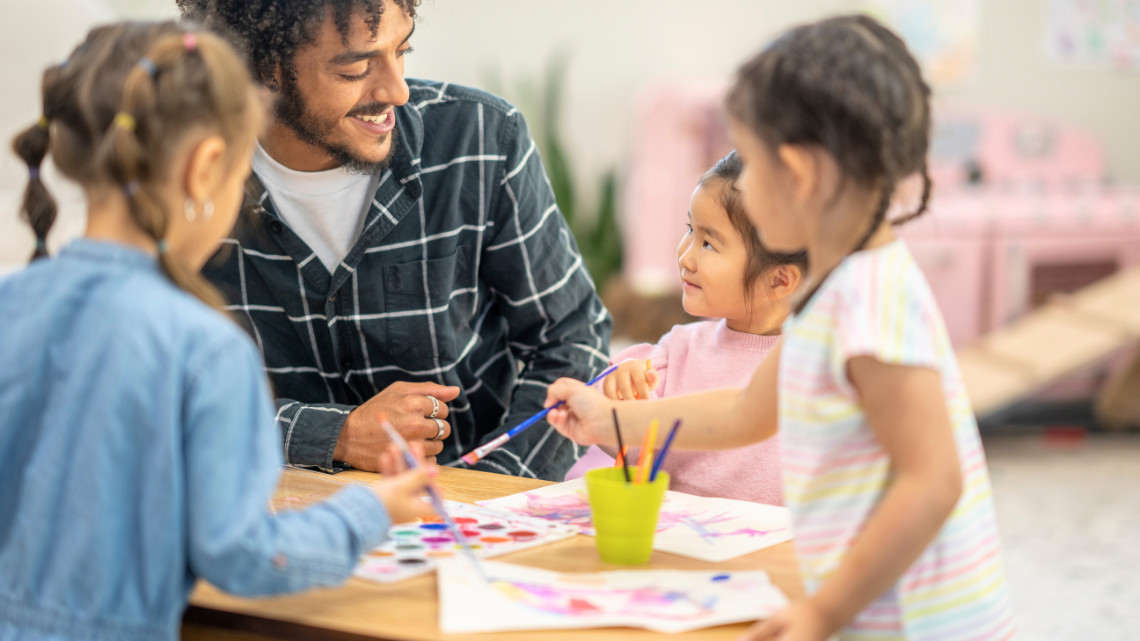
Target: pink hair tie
191	41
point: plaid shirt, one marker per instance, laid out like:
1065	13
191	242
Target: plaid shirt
465	274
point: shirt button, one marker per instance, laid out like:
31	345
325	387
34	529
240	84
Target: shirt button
332	299
279	561
276	226
346	363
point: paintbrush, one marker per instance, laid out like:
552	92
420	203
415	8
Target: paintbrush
474	455
436	501
621	448
664	451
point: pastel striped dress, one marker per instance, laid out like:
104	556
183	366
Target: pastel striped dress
835	472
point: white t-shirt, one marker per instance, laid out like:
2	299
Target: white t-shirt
325	208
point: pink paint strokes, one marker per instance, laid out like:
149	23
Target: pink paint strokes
641	601
574	509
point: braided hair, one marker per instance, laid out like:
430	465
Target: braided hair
850	86
116	111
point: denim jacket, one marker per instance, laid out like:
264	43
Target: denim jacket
138	453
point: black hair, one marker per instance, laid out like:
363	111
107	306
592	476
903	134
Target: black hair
271	32
850	86
760	259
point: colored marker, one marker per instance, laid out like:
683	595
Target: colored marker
646	457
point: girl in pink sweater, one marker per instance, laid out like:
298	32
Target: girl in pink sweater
726	274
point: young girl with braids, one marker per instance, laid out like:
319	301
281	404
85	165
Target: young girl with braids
883	469
136	428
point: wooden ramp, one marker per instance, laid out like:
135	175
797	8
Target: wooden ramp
1056	340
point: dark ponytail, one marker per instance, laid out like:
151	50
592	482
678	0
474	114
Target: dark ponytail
37	207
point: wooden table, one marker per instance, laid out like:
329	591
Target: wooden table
409	610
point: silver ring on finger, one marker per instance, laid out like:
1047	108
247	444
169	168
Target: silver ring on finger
434	407
439	425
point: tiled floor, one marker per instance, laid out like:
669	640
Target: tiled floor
1069	512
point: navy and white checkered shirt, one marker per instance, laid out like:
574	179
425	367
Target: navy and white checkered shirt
465	274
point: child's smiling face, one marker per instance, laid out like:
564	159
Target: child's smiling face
712	259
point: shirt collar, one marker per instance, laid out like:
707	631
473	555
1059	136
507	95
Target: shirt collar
108	253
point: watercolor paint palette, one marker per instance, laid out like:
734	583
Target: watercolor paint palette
669	601
416	548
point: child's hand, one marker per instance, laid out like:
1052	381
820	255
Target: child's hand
401	490
585	416
634	379
801	621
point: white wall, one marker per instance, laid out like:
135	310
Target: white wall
617	47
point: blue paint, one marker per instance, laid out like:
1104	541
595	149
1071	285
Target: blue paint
434	526
721	577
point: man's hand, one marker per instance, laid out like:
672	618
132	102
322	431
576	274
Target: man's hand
407	406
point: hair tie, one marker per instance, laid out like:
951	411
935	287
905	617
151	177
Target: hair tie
148	66
132	188
126	121
191	41
33	173
41	245
162	246
43	123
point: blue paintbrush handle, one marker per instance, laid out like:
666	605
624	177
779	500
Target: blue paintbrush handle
664	451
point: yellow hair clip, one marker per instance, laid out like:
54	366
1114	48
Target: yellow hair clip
42	123
125	120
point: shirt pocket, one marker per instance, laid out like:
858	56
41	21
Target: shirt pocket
421	299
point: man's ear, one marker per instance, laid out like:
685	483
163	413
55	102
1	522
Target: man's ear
783	281
205	167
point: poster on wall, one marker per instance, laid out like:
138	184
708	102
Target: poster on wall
1095	33
944	34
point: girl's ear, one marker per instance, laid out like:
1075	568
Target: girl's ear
801	172
812	172
783	281
205	168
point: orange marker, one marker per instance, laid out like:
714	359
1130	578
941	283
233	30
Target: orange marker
645	460
620	460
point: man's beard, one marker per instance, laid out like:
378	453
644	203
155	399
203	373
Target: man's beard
294	113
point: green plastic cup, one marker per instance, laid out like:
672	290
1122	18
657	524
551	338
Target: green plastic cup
625	514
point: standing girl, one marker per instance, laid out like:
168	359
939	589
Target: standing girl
727	274
884	472
137	434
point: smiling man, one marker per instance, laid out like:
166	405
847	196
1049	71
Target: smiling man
400	253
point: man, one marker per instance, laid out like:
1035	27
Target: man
401	254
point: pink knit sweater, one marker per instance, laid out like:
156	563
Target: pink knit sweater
692	358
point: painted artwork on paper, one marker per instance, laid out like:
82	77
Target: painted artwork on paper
669	601
709	529
1096	33
415	548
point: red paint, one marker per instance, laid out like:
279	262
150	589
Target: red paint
522	535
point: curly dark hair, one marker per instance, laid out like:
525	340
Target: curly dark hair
270	32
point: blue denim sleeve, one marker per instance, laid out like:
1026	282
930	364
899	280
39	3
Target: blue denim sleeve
233	461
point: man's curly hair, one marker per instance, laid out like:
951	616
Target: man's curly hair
270	32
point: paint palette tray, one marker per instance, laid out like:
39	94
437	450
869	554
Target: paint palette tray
415	548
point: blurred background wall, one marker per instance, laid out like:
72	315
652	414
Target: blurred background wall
615	51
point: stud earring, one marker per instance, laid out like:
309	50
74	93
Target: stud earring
191	214
207	210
